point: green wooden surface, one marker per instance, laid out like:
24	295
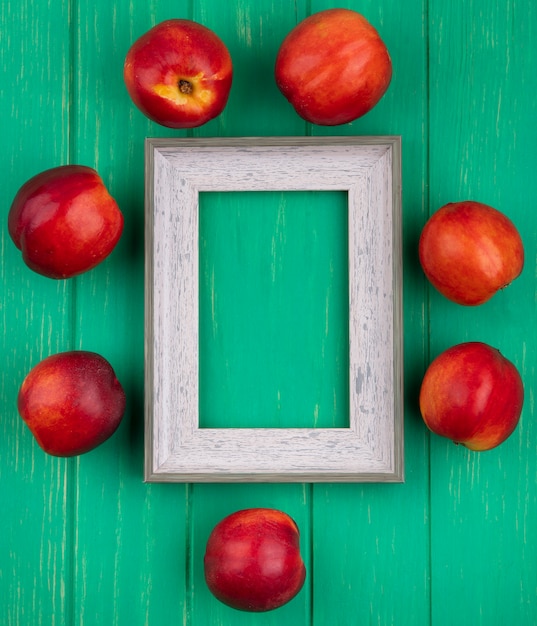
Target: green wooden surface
273	269
84	541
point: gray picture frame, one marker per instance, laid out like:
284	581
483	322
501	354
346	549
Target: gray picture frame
371	448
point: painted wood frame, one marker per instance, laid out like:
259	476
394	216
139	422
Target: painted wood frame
371	448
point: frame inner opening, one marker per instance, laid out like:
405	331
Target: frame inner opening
273	309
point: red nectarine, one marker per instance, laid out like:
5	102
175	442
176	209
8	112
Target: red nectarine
252	560
472	395
333	67
179	74
64	221
71	402
469	250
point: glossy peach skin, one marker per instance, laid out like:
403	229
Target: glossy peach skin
469	250
333	67
472	395
71	402
64	221
179	74
252	560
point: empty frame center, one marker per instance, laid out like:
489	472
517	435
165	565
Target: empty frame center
273	309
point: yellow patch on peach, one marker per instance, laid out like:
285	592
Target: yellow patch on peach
170	91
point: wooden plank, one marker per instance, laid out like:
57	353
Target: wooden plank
370	543
35	314
483	137
131	545
251	32
286	297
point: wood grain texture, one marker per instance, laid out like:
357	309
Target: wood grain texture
379	573
120	524
291	294
85	541
252	34
35	314
481	505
